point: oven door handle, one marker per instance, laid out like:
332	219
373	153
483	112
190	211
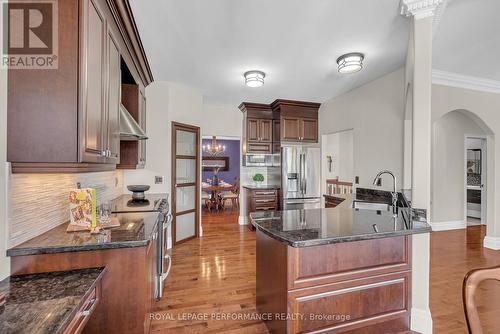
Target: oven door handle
164	275
169	220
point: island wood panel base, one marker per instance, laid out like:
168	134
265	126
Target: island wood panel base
125	295
319	286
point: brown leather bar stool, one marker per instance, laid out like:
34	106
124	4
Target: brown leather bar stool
471	282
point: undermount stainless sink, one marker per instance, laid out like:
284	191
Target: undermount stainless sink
371	206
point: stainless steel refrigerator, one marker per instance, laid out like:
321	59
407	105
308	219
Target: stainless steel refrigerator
300	177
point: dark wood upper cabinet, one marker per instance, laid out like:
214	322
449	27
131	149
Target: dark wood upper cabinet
266	126
252	129
309	130
112	134
257	128
266	130
93	80
299	120
290	128
67	119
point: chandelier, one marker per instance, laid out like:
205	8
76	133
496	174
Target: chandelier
214	148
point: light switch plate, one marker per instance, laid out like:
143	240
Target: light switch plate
159	179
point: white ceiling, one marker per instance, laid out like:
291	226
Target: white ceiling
467	39
209	44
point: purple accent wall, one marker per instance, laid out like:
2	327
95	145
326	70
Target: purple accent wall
233	152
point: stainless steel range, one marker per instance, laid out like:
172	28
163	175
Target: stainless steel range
152	203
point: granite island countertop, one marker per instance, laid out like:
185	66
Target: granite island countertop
135	230
311	227
45	303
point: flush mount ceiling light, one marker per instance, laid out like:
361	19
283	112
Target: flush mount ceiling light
254	78
350	62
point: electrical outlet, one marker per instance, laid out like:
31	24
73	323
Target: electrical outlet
159	179
356	180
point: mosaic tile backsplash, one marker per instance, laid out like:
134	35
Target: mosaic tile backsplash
39	202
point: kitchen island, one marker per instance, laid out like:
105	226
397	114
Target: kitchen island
339	269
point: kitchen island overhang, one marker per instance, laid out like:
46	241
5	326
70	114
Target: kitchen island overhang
334	270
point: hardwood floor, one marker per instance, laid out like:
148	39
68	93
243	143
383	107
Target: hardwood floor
453	254
211	276
215	276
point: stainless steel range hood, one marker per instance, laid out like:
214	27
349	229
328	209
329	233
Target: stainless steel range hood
130	130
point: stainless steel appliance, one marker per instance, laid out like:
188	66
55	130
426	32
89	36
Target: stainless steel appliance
261	160
300	177
164	261
152	203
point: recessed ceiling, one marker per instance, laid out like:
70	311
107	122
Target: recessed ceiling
210	44
467	39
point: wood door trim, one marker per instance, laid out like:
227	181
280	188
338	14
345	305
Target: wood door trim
190	184
190	128
185	157
185	212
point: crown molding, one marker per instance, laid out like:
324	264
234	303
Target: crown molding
438	14
465	81
419	9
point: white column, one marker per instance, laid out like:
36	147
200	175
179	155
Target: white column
419	70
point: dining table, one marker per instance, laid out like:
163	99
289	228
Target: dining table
215	191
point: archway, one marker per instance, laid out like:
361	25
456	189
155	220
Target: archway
448	169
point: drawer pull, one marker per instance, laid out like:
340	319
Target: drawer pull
271	200
266	208
90	307
264	193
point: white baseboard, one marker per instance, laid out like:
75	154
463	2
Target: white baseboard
449	225
421	321
491	243
242	220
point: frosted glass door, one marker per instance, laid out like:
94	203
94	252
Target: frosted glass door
185	182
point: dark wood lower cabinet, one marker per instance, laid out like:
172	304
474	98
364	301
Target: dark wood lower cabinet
127	290
260	200
355	287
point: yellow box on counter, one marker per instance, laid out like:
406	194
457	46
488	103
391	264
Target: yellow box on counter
82	209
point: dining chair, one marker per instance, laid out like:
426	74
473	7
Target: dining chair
232	194
469	288
207	200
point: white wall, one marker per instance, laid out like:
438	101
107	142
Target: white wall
339	146
484	109
448	186
375	112
4	263
221	120
169	102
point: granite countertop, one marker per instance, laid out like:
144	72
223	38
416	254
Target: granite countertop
261	187
311	227
45	303
135	230
153	202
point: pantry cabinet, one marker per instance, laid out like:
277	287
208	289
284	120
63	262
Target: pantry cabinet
67	119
